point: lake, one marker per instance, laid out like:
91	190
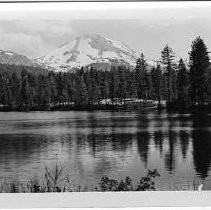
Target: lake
118	144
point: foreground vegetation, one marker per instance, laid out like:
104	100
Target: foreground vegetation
181	85
57	181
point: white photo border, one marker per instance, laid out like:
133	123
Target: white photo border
96	199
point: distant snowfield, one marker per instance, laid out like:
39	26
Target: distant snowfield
88	49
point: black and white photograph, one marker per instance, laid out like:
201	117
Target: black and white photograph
105	97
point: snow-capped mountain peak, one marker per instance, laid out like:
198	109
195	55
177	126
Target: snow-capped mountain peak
86	50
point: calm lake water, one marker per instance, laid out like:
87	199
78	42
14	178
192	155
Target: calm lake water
117	144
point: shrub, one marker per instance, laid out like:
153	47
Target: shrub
145	183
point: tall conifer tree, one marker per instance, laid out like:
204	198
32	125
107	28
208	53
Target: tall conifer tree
199	64
167	56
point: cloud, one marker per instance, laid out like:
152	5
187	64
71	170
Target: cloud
33	38
29	45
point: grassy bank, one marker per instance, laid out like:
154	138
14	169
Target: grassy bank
57	180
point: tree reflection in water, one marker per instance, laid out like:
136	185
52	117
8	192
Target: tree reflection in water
201	136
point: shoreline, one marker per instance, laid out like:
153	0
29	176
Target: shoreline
136	107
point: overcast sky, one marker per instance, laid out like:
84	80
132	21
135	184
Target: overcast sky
35	30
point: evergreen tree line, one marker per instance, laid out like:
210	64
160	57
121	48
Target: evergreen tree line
179	84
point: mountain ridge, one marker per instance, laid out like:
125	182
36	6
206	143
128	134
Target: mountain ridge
12	58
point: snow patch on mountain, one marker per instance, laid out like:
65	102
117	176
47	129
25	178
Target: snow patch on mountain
8	53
